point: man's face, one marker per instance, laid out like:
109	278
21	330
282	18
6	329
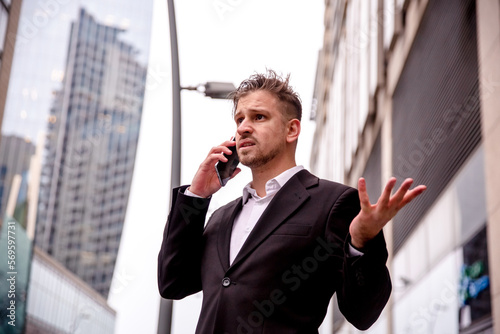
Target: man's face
261	129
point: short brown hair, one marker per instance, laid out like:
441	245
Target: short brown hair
275	84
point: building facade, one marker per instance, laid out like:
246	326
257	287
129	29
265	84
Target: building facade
410	88
16	165
91	145
88	67
79	308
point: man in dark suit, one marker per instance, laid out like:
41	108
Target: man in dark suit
269	261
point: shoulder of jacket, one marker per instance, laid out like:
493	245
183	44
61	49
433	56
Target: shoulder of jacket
335	185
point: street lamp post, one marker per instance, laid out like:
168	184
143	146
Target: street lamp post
215	90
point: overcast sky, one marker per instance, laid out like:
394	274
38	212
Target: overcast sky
219	40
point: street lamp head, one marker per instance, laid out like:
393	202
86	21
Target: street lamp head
213	89
219	90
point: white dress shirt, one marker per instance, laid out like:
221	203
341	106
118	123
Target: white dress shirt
254	206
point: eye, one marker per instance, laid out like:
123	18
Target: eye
239	120
259	117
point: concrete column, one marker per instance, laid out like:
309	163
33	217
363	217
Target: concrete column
8	53
488	35
385	108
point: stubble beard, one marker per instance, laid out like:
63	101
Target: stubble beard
259	159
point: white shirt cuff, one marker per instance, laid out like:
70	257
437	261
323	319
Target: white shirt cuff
351	252
189	193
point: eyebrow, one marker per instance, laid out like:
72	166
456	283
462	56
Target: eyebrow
253	111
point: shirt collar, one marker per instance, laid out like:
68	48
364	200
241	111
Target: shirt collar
273	185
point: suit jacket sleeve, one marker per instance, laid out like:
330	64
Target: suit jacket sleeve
179	260
366	285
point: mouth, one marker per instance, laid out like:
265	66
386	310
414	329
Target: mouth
246	144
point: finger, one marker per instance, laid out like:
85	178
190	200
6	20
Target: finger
412	194
364	200
219	150
386	194
213	158
401	192
221	157
229	143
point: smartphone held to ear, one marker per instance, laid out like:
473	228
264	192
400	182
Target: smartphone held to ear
226	169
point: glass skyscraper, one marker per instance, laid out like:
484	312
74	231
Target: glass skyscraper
91	144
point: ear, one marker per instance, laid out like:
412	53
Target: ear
293	130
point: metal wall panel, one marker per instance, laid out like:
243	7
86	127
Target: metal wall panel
436	109
373	171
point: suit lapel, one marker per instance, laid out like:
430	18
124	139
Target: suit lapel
225	229
288	199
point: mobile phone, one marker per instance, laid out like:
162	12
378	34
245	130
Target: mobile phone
225	169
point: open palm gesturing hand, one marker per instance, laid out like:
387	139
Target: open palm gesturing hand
373	217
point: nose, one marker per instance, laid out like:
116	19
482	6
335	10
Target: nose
244	127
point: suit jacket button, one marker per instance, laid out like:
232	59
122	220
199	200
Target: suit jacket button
226	282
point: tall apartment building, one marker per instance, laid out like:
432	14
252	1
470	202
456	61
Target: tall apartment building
90	152
410	88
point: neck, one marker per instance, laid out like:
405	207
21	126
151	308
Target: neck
262	174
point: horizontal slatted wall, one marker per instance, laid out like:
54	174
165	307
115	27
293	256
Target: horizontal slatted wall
436	111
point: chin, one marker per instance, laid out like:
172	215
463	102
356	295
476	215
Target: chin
246	162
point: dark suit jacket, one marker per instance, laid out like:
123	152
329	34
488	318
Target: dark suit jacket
292	263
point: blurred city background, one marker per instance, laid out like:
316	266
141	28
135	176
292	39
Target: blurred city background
94	103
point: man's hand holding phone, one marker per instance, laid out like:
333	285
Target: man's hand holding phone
207	179
226	169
